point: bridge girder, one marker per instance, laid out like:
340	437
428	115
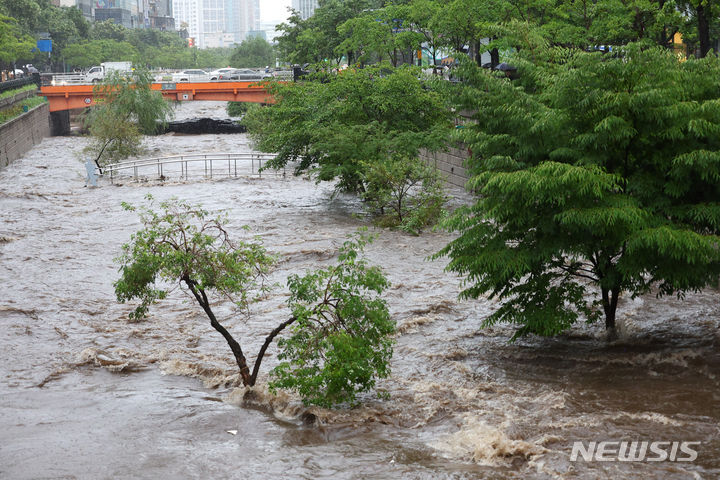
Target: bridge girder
67	97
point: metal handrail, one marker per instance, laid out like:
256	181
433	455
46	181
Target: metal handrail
192	156
253	158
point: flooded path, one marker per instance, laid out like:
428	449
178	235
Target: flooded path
86	394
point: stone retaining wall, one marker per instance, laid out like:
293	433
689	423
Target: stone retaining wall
21	133
450	163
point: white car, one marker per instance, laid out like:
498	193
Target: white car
215	74
195	75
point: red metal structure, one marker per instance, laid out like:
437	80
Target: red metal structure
67	97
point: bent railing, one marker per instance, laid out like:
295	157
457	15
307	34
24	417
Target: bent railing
210	165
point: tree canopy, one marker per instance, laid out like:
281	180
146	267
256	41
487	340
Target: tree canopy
365	129
14	45
333	123
252	53
341	330
597	176
369	31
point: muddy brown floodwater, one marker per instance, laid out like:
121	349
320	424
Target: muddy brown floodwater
86	394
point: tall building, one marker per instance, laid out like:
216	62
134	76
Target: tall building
129	13
216	23
160	14
305	8
269	29
241	18
188	15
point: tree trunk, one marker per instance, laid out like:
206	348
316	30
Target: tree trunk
494	58
703	30
201	298
662	38
610	301
268	340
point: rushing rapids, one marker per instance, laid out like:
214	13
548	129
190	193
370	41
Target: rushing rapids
87	394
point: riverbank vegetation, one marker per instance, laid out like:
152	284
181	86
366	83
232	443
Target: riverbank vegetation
593	149
597	177
341	331
15	91
18	109
365	130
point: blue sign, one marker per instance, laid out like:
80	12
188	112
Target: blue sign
44	45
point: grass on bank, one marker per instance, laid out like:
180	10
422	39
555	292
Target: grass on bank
15	91
16	110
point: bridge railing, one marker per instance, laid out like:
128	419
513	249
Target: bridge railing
183	167
57	79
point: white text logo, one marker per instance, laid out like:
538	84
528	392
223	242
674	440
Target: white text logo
634	451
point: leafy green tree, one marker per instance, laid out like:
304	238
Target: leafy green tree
341	329
380	35
93	52
63	30
317	38
333	123
702	24
596	177
27	13
109	30
65	25
127	108
404	192
14	45
340	126
298	43
341	340
419	16
184	243
252	53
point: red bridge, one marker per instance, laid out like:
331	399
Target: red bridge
66	97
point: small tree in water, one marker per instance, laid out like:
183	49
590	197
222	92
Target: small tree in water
184	244
127	109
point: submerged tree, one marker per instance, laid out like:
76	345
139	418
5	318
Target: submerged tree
128	108
404	192
341	328
592	173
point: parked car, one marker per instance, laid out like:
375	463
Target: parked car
195	75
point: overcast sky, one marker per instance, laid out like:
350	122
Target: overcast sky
274	11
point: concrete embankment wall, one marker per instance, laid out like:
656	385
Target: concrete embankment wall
21	133
451	162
